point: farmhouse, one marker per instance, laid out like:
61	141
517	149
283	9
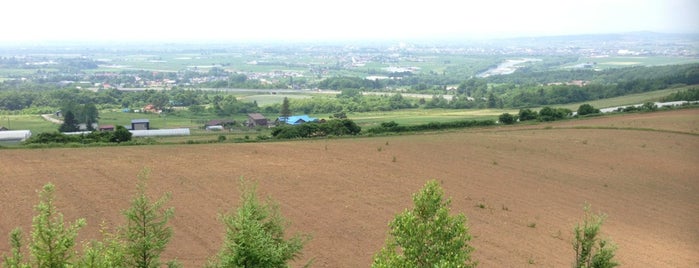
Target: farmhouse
106	128
140	124
296	119
150	108
256	120
15	135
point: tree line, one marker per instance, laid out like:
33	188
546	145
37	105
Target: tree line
518	90
255	236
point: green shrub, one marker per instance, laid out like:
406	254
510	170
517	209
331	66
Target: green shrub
336	127
590	250
586	109
507	119
527	114
389	127
427	236
255	235
553	114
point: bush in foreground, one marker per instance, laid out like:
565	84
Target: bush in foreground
427	236
51	243
590	250
146	233
139	244
255	235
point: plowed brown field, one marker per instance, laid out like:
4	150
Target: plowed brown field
532	180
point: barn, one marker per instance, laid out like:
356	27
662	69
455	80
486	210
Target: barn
256	120
140	124
15	135
106	128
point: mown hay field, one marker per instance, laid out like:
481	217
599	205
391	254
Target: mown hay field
522	188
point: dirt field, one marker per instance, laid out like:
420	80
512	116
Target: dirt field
533	180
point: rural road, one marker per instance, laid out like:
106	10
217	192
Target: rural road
48	117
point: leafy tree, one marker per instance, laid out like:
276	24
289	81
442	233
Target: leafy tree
427	236
91	115
70	124
121	134
527	114
553	114
146	232
285	111
507	119
82	113
52	242
158	98
586	109
492	100
255	235
590	250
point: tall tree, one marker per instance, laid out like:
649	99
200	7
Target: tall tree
91	115
70	124
255	235
146	232
285	111
427	236
52	242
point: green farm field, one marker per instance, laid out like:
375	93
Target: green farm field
366	120
651	96
623	61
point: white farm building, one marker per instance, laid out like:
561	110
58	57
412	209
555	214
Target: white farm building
160	132
15	135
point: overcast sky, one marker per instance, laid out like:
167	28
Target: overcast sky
308	20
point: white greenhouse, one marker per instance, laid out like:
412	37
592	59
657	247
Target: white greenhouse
15	135
160	132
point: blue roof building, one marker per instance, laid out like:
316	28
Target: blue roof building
296	119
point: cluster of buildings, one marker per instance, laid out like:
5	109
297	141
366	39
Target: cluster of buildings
255	120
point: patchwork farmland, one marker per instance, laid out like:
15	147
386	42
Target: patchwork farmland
522	188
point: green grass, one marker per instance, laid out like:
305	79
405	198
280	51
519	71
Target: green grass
628	99
265	100
156	121
9	72
424	116
34	123
626	61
